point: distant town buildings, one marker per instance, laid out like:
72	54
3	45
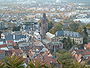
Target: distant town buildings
33	40
82	54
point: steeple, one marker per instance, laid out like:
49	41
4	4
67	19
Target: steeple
44	26
44	15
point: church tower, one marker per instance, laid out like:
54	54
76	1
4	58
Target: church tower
44	26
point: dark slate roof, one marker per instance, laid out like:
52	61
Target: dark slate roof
9	37
55	43
17	37
67	33
28	27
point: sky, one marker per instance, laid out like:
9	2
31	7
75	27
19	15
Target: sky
46	0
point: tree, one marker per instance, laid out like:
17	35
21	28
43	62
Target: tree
65	59
67	43
37	64
78	65
16	28
85	35
50	25
74	26
0	34
34	65
68	61
18	62
88	26
85	31
14	62
53	30
80	28
70	44
2	65
56	28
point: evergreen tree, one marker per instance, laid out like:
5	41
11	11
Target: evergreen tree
14	62
85	35
67	43
2	65
0	34
50	25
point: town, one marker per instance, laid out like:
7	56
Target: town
50	33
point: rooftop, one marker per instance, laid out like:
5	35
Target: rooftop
68	33
2	51
50	35
3	45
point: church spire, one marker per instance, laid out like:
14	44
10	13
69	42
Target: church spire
44	26
44	15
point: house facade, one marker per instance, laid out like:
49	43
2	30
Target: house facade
74	36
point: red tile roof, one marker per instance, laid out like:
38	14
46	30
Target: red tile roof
86	53
49	60
80	50
88	45
46	59
2	51
3	45
14	51
17	51
10	41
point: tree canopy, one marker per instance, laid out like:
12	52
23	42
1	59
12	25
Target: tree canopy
57	27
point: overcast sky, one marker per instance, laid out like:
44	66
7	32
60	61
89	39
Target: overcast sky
47	0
